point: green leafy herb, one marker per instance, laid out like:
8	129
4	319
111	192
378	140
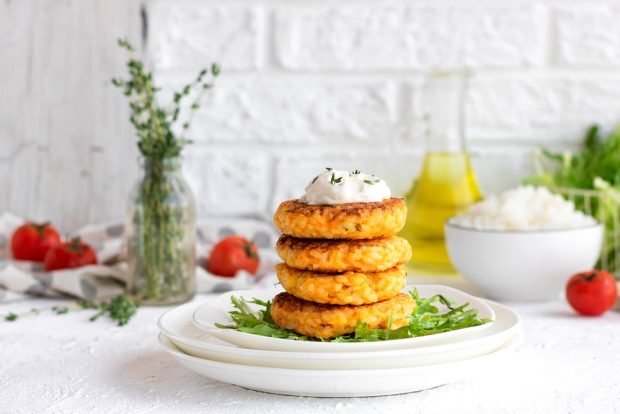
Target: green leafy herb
368	182
120	309
335	180
59	310
259	324
596	167
158	241
153	123
425	320
355	172
328	168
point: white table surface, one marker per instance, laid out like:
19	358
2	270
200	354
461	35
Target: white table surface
66	364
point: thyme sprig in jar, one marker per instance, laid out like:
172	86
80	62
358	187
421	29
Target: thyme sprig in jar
161	218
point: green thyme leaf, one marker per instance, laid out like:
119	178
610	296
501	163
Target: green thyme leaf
60	310
124	43
155	125
86	304
215	69
335	180
201	75
120	309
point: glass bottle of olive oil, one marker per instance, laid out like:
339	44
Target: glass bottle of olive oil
447	184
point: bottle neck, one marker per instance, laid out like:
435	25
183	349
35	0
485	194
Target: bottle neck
442	104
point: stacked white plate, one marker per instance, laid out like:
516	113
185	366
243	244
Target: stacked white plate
328	369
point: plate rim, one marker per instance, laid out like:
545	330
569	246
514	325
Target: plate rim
236	350
229	335
512	343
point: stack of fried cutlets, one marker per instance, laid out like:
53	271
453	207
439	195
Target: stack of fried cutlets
343	264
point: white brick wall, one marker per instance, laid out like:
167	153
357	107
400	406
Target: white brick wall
405	36
296	111
305	84
185	34
311	84
587	35
547	107
231	182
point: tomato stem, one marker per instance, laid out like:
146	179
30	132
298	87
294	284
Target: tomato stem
247	247
590	276
75	245
40	228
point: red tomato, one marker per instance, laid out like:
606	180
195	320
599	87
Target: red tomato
68	255
231	254
31	241
591	293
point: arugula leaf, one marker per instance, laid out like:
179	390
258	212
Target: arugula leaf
258	324
425	320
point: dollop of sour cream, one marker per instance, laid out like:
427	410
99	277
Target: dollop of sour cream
340	187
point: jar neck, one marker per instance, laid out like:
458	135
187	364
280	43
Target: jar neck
163	166
443	110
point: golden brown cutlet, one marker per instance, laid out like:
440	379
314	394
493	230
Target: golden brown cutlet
327	321
348	288
338	255
341	221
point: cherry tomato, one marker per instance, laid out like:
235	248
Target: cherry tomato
68	255
231	254
31	241
591	293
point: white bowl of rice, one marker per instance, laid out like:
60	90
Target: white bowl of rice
523	245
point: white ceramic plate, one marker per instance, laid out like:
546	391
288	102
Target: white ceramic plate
216	311
177	326
341	383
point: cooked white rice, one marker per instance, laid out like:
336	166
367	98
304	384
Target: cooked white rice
524	208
